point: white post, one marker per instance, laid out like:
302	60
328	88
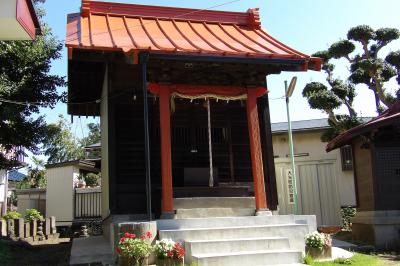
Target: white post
211	180
5	193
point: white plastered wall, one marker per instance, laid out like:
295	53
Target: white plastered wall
2	184
60	193
310	142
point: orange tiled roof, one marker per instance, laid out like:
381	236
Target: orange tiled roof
129	27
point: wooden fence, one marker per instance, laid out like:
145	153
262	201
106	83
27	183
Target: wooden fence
87	203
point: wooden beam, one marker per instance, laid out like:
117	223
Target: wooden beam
166	162
255	150
267	151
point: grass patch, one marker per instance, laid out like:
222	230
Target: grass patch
357	260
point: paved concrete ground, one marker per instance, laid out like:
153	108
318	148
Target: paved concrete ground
343	244
94	249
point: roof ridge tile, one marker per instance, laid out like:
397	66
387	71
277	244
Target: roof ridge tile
99	7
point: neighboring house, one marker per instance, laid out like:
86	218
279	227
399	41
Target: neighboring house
64	199
7	176
376	149
93	152
18	20
325	181
7	183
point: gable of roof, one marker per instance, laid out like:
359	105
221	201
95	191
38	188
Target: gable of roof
390	116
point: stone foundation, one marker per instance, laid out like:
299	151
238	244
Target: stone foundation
378	228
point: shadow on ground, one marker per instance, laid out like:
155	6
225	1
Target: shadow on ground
18	253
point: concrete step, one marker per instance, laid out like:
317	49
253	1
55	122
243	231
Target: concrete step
199	247
263	257
213	212
295	233
168	224
214	202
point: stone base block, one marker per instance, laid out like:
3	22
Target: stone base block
262	212
117	229
378	228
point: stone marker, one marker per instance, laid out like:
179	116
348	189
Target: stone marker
19	228
3	228
27	230
33	228
47	227
53	225
10	228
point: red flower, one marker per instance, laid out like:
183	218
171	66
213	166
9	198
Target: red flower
170	254
118	250
179	251
129	235
142	237
122	240
148	234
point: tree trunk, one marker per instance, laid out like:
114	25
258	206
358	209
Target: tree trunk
332	117
352	113
379	92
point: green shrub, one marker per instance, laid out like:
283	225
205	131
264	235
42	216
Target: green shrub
308	259
92	179
33	214
12	215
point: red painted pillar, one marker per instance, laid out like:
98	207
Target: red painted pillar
255	150
166	162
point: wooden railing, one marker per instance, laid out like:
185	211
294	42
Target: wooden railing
87	203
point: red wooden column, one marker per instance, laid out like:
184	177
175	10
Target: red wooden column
255	150
166	162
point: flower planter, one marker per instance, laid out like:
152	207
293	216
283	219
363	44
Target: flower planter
125	261
329	229
316	253
169	262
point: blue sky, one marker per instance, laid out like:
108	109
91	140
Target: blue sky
307	25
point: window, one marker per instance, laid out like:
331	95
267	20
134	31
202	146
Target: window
346	154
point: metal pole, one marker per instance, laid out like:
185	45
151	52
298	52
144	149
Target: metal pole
211	180
144	58
291	150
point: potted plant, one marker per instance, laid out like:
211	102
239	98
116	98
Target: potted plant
319	245
169	253
134	251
